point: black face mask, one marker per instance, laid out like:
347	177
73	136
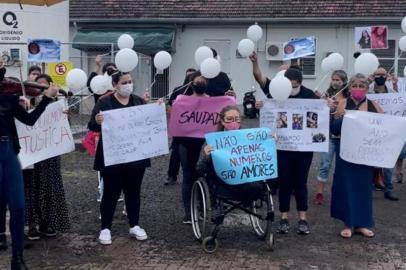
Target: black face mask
199	89
380	80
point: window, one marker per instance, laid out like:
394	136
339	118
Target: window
307	63
392	59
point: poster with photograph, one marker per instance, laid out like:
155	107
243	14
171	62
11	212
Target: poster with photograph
300	124
371	37
299	47
44	50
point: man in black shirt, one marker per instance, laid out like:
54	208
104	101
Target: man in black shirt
293	167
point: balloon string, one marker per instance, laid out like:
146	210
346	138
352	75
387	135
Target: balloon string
400	55
321	81
105	54
178	89
82	99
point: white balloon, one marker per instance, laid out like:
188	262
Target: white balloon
210	68
254	32
366	63
280	88
125	41
336	61
162	60
126	60
402	44
108	81
404	72
325	65
246	47
281	73
404	24
98	85
202	53
76	79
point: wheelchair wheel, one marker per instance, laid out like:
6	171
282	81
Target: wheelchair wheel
210	244
200	209
262	207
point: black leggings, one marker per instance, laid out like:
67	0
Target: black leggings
293	170
116	180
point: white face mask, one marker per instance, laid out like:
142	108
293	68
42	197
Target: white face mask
126	90
295	91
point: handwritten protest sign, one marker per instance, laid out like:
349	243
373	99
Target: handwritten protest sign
391	103
243	156
44	50
299	47
300	124
134	133
195	116
51	136
372	139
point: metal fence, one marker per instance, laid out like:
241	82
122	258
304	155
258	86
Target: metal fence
83	56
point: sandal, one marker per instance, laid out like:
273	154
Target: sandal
346	233
365	232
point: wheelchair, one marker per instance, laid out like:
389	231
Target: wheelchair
209	208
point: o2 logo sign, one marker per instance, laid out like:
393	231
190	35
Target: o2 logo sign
10	19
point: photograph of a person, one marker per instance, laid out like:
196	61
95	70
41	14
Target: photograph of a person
319	138
297	123
282	120
311	120
363	37
379	37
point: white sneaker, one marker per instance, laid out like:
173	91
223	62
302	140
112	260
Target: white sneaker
105	237
138	232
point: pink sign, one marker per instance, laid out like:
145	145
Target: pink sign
193	116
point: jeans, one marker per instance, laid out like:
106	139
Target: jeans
3	210
189	156
387	173
12	189
326	160
174	161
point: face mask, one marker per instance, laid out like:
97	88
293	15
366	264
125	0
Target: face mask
358	93
199	89
380	80
125	90
336	86
232	126
295	91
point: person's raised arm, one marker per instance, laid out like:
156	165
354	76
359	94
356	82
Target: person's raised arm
259	77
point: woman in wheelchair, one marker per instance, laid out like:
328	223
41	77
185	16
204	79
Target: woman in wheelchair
212	199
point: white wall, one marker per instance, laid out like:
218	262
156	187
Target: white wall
334	38
34	22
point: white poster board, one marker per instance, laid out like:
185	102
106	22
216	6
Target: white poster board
391	103
300	124
134	133
372	139
51	136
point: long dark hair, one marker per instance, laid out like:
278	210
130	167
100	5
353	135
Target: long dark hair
222	115
116	76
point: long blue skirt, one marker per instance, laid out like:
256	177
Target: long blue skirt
351	198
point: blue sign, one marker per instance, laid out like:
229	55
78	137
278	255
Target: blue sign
300	47
243	156
44	50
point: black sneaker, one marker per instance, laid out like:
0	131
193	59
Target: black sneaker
303	227
17	263
283	227
170	181
33	234
48	232
379	187
3	241
391	197
399	178
187	220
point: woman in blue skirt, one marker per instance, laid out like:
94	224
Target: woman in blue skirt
351	199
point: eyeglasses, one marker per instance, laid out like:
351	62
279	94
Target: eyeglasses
127	82
232	119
